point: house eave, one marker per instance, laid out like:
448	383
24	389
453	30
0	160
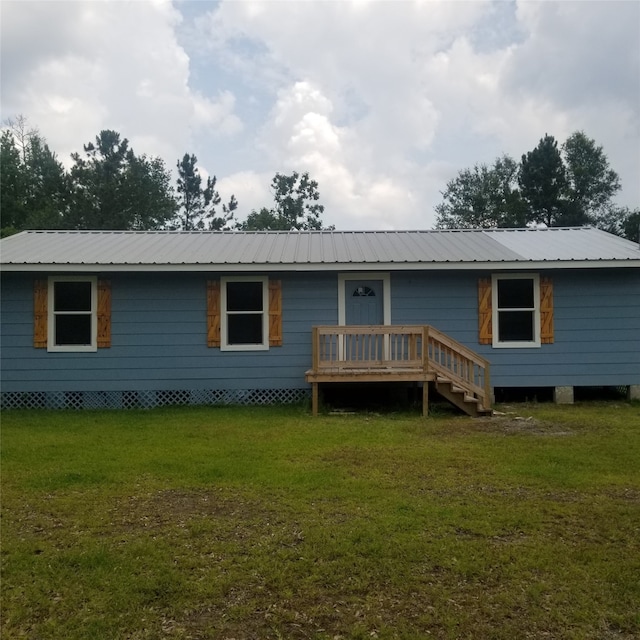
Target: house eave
525	265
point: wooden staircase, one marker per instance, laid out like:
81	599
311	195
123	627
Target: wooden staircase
461	375
401	354
461	398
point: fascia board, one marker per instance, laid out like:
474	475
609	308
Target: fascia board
333	266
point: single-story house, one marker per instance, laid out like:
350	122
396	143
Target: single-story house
138	319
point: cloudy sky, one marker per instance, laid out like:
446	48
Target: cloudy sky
382	102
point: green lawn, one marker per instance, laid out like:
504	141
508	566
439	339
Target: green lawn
252	523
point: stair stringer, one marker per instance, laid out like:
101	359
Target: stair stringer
459	397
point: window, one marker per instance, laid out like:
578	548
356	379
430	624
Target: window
516	311
72	310
361	292
244	322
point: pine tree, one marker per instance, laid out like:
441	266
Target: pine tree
197	205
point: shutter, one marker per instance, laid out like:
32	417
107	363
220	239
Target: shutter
275	313
213	313
40	319
104	314
484	311
546	311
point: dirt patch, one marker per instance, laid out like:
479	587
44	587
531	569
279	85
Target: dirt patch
509	423
176	507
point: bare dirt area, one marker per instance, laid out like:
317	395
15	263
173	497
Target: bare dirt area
510	421
175	507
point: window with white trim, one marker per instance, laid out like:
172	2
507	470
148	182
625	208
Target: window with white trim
244	322
72	311
516	310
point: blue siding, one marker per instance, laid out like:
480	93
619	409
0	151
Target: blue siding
158	330
159	333
596	320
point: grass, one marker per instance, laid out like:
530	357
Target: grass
265	523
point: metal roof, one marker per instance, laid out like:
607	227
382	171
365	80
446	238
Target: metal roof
313	250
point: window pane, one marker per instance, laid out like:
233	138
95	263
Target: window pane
73	330
244	296
515	326
244	328
72	296
515	294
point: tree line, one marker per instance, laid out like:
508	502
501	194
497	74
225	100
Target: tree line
570	185
109	186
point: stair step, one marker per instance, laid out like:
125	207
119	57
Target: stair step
454	387
474	404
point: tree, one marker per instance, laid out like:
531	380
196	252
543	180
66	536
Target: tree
263	220
12	185
35	186
296	201
631	224
22	134
115	189
224	222
622	221
197	206
296	206
483	197
49	188
571	188
543	183
591	181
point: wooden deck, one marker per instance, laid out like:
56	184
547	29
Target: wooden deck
417	353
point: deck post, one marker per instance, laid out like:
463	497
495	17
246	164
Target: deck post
488	399
413	347
425	349
314	398
425	398
315	348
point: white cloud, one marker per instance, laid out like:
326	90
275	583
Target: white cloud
382	102
216	116
383	121
578	52
579	68
118	66
250	188
301	136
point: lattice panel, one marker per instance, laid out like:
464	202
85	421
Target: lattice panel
148	399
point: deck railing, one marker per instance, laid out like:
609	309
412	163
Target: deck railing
450	359
403	348
367	347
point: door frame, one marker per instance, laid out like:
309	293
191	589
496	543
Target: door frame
343	278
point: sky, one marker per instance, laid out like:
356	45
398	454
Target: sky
381	102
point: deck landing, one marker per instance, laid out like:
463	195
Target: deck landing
349	354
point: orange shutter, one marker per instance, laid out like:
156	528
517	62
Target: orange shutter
104	314
484	311
213	313
275	313
546	311
40	291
